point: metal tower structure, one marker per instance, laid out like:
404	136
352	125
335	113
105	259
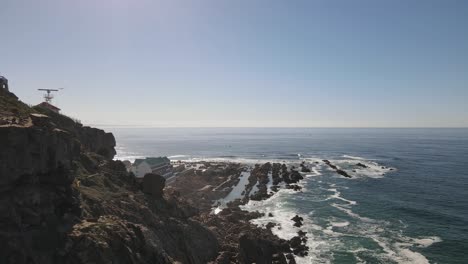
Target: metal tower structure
48	96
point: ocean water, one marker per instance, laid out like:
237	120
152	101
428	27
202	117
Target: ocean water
415	213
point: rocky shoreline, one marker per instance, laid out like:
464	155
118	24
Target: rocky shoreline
243	239
63	199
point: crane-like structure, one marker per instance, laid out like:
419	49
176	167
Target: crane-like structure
48	96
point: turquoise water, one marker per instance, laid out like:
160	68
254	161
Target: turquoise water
416	213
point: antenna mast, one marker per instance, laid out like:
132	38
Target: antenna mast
48	96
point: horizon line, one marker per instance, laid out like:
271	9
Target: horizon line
319	127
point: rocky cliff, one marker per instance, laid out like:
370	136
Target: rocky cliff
64	200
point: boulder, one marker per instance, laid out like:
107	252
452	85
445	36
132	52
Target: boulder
297	221
153	184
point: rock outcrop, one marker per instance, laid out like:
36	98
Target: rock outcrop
153	184
339	171
64	200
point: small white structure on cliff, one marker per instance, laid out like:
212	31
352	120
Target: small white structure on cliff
159	165
49	106
48	96
3	83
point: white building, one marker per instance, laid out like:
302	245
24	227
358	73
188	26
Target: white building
160	165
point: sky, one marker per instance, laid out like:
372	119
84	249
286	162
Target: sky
242	63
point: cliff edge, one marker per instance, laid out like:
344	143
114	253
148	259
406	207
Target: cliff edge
64	200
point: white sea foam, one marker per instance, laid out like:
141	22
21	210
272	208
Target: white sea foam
130	158
353	157
334	225
315	170
426	242
322	240
282	214
176	157
396	247
339	224
373	169
337	195
243	160
351	213
399	252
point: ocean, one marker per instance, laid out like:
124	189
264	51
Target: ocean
417	212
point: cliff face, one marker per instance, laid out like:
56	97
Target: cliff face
64	200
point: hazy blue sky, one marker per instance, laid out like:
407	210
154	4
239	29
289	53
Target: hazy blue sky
242	62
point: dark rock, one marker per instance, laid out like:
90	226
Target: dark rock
298	245
296	176
153	184
362	165
295	242
290	258
301	233
258	250
304	168
64	200
270	225
297	221
343	173
293	187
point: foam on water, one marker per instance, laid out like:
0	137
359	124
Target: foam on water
395	246
322	241
315	171
373	170
177	157
337	195
424	155
124	154
282	213
426	242
323	238
339	224
353	157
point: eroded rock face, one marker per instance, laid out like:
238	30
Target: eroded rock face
63	200
91	139
37	201
113	240
98	141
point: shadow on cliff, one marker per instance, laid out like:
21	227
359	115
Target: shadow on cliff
64	200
